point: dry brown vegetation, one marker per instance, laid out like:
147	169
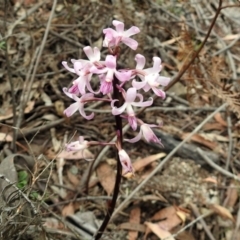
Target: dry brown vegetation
187	190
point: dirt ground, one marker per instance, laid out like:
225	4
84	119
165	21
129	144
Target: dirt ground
187	189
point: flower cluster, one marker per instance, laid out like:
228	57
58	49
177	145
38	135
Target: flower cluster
141	80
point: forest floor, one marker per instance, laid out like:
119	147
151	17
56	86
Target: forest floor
186	189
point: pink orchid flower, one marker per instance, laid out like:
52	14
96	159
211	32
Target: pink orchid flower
83	81
78	105
130	97
113	38
147	133
81	144
125	162
109	71
150	76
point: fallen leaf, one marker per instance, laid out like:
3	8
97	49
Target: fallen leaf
210	180
168	218
9	113
141	163
134	218
214	137
213	126
220	120
53	223
232	195
181	215
4	137
136	227
73	178
222	211
157	230
106	177
68	210
199	139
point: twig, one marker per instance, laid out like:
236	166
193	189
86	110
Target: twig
217	167
41	128
67	39
195	54
230	145
28	13
160	166
205	227
29	86
9	73
190	224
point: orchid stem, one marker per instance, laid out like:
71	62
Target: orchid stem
112	203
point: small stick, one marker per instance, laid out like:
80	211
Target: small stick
217	167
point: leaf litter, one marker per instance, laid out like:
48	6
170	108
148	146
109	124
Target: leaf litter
54	175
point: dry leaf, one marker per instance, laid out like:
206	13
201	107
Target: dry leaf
73	178
232	195
199	139
134	218
168	218
161	233
9	113
136	227
182	216
213	126
68	210
5	137
106	177
210	180
222	211
53	223
141	163
214	137
220	120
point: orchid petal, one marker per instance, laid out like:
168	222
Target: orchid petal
131	95
123	76
117	111
164	81
133	44
135	139
156	65
132	120
143	104
159	92
64	63
131	31
71	109
118	25
66	91
138	85
82	112
110	62
140	59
